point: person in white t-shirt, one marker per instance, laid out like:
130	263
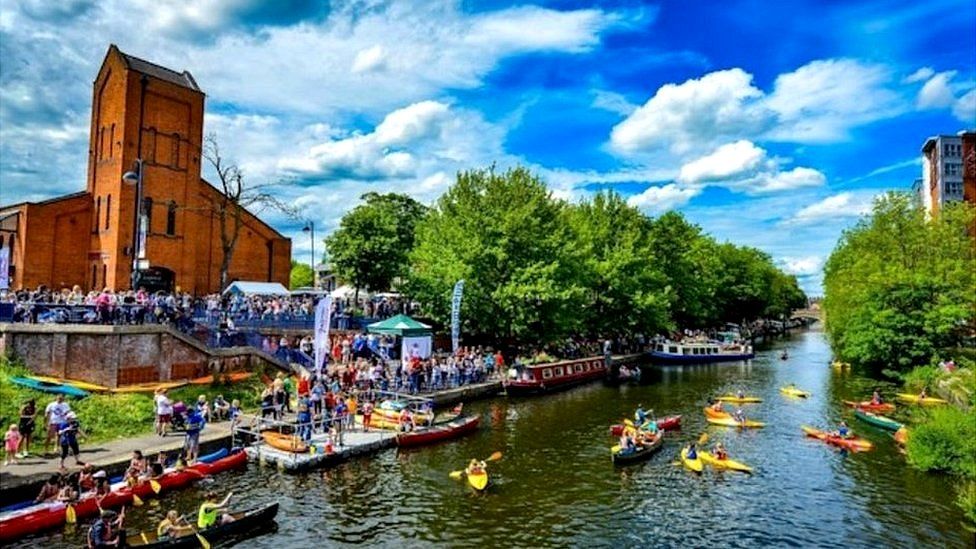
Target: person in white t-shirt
164	412
55	414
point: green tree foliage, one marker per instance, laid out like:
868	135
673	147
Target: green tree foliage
900	287
945	442
301	275
371	246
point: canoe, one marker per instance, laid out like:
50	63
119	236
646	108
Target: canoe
669	423
729	464
45	516
150	387
915	399
794	392
478	481
285	443
244	521
429	435
691	464
709	412
866	405
737	400
640	454
57	388
83	385
730	422
223	378
876	420
853	444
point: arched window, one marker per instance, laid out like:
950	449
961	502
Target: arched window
98	213
108	210
147	205
171	219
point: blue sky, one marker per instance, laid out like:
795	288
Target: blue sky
772	124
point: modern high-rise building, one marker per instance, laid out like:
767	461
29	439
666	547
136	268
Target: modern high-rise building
948	170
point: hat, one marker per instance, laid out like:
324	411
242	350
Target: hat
99	474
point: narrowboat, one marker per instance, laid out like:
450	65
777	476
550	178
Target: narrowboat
429	435
555	376
699	352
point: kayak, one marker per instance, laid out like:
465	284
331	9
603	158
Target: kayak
853	444
901	436
641	453
83	385
478	481
915	399
44	516
57	388
150	387
794	392
876	420
709	412
738	400
285	443
840	365
223	378
244	522
692	464
866	405
730	422
669	423
429	435
732	465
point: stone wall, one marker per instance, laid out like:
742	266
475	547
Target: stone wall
119	355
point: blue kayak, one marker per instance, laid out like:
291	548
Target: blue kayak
48	387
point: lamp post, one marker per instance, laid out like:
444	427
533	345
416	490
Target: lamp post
310	228
135	178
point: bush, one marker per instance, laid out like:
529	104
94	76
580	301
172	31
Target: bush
967	500
946	442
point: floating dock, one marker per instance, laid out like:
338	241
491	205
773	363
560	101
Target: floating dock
354	443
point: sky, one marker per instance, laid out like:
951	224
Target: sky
770	124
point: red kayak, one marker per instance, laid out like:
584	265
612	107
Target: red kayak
854	444
45	516
452	429
866	405
669	423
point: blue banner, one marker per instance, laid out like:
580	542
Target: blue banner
456	315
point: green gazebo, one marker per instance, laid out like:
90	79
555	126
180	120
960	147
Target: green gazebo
400	325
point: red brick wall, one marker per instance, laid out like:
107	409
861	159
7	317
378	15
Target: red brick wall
55	253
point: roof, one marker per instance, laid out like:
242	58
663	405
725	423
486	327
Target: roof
184	79
401	325
256	288
46	201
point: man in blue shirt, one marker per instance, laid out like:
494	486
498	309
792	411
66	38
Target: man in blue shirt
194	424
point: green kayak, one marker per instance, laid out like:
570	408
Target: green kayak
878	421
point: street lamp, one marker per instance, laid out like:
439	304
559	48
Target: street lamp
135	178
310	228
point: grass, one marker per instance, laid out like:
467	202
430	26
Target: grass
106	417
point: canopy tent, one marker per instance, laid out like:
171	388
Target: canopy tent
256	288
348	292
400	325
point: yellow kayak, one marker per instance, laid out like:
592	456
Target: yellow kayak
915	399
731	422
723	463
692	464
738	400
794	392
83	385
479	480
150	387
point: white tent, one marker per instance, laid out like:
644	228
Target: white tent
256	288
348	292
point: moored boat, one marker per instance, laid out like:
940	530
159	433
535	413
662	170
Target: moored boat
151	386
232	377
668	423
670	352
244	522
626	457
878	421
555	376
429	435
56	388
83	385
285	443
916	399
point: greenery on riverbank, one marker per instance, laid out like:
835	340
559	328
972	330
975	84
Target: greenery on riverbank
537	267
109	416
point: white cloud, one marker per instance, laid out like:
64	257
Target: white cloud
777	181
655	200
613	102
371	59
937	93
920	75
965	107
832	208
728	161
802	266
531	28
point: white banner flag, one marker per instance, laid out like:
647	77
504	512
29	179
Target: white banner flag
323	317
456	315
4	268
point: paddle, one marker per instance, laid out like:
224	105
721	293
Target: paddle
457	474
69	515
203	541
136	500
155	485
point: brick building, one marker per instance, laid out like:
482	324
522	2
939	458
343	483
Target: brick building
139	111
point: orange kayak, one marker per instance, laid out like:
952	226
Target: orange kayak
853	444
709	412
285	443
229	378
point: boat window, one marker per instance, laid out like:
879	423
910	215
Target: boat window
673	350
579	368
660	347
559	370
547	373
685	351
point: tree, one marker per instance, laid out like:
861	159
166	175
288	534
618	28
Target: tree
507	238
371	245
688	261
235	197
302	275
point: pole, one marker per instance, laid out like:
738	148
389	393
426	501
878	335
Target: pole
137	227
311	226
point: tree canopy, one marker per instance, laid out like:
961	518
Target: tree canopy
302	275
899	287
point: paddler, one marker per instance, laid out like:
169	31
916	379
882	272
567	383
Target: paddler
842	430
50	490
640	415
923	395
651	426
875	398
406	420
740	394
720	452
207	516
692	452
171	526
104	531
717	406
475	467
739	415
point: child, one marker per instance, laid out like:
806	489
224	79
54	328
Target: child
11	442
234	412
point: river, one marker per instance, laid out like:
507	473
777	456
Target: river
556	486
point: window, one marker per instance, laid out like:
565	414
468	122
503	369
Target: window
952	169
673	350
547	373
108	210
147	204
105	275
150	152
94	283
101	144
171	219
111	141
98	215
175	159
558	371
579	367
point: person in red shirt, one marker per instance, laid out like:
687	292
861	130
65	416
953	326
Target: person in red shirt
303	386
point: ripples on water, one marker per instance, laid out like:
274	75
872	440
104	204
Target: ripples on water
556	485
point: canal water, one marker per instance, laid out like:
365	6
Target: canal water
556	486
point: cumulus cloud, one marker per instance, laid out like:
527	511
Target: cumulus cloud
656	200
802	266
613	102
744	167
921	75
965	107
832	208
936	93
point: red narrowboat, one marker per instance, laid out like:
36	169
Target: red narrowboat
556	376
429	435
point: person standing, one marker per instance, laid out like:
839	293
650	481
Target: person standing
55	414
28	417
164	412
194	425
11	440
68	437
